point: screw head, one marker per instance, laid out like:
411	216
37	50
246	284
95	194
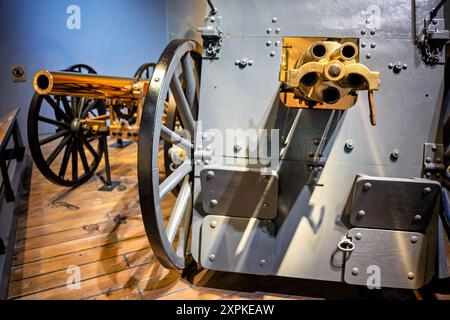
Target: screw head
213	224
277	43
210	174
427	190
272	53
414	239
214	203
269	30
363	32
268	43
395	153
367	186
428	175
363	44
372	32
405	66
349	144
274	20
361	213
198	162
278	31
417	217
358	236
390	65
265	205
157	79
355	271
368	56
212	257
237	62
262	262
411	276
434	148
250	62
373	45
243	62
428	160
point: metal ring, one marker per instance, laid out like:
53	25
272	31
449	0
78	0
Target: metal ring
346	245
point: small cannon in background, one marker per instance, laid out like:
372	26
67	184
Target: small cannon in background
78	109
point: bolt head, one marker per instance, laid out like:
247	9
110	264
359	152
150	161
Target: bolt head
434	148
212	257
214	203
266	205
363	44
355	271
428	175
361	213
372	32
363	32
411	276
278	31
427	190
368	56
274	20
269	30
272	54
157	79
237	62
373	45
405	66
213	224
268	43
414	239
198	162
211	174
390	65
262	262
349	145
395	153
417	217
358	236
367	186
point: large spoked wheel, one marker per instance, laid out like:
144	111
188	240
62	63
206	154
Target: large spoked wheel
64	152
145	71
177	72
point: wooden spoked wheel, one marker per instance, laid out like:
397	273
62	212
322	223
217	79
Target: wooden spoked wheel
177	74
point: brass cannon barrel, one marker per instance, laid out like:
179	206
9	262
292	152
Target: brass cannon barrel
84	85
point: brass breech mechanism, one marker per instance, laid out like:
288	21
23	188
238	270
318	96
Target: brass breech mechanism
123	97
324	74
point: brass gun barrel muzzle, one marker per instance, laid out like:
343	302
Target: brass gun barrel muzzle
84	85
346	52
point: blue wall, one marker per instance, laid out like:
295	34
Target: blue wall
116	36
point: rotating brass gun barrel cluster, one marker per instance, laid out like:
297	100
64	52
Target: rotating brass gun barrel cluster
327	75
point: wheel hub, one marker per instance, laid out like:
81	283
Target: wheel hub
75	126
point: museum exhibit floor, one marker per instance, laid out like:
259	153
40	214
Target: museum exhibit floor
101	233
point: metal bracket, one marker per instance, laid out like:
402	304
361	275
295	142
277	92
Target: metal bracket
432	40
212	36
433	160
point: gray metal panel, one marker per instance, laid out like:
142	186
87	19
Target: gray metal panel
400	256
338	18
240	192
240	245
393	203
309	221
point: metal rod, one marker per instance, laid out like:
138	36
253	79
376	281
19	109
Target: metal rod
173	137
189	77
182	105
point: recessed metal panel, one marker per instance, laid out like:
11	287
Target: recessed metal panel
240	192
393	203
237	245
397	258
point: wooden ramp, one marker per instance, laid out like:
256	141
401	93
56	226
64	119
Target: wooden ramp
101	235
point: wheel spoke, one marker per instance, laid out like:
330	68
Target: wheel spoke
179	210
174	179
59	124
53	137
74	160
174	138
80	106
83	157
184	231
188	74
67	107
58	111
58	150
65	161
182	105
91	149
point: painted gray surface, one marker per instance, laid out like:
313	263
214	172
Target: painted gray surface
309	223
184	16
116	37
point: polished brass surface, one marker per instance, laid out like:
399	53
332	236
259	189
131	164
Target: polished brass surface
84	85
323	74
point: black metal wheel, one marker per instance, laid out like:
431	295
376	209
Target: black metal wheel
64	152
177	73
81	68
145	71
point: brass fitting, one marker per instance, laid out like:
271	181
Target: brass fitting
327	75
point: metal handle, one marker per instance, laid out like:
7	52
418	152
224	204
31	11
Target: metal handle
346	245
373	116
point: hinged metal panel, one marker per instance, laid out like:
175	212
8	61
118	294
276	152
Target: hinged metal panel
237	245
240	192
393	203
399	257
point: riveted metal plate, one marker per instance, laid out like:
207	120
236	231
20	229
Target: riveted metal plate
398	258
393	203
240	192
237	245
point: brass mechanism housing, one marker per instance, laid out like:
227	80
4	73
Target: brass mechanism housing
118	93
323	74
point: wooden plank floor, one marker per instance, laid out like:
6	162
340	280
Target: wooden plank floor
102	234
